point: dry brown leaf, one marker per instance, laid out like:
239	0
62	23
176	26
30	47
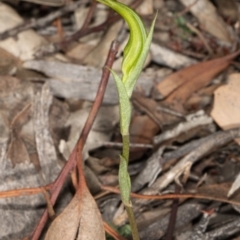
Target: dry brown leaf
146	8
226	112
154	110
17	151
142	130
21	118
218	192
8	63
227	104
229	9
80	220
208	17
180	85
25	45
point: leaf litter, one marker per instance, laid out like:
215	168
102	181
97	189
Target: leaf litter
184	128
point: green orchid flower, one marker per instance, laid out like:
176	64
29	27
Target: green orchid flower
137	48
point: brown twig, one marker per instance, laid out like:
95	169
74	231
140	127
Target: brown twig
201	36
173	216
112	232
172	196
23	192
89	15
71	163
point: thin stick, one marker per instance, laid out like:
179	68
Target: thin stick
89	15
71	163
173	216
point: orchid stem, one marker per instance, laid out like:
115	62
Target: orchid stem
132	222
128	206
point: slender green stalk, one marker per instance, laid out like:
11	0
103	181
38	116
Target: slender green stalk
125	150
132	222
128	205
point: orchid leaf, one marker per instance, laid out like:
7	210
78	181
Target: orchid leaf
124	104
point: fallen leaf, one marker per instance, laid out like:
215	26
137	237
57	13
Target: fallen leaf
209	18
226	112
80	220
218	192
180	85
8	63
235	186
229	9
26	43
227	104
17	151
142	130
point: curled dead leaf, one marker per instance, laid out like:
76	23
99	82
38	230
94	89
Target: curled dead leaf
180	85
227	103
80	220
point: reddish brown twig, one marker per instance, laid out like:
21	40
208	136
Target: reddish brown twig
71	163
89	15
173	216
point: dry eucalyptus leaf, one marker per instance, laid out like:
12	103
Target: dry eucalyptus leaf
26	43
181	84
8	63
21	117
226	112
218	192
229	9
146	8
235	186
209	19
17	151
227	104
80	220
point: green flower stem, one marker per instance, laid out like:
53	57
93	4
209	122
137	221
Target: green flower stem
125	150
132	222
127	200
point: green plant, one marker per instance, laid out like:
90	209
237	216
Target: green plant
134	56
124	231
